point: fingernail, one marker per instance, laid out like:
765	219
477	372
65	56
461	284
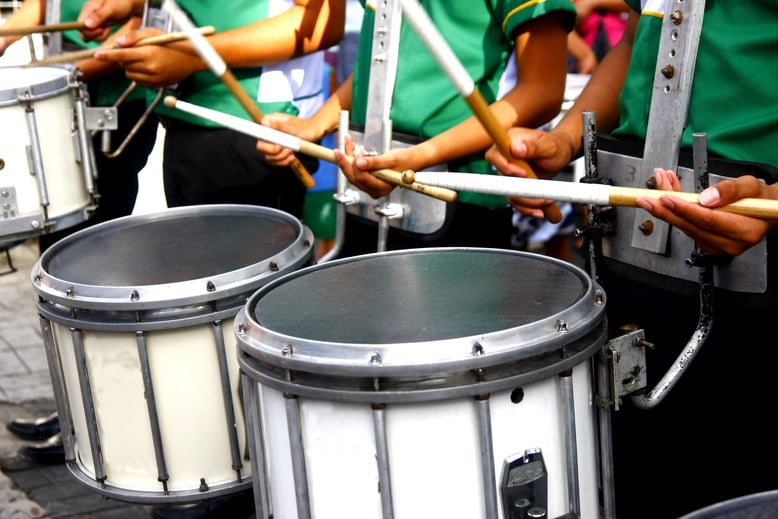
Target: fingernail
710	196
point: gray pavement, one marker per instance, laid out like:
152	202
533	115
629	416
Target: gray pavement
28	490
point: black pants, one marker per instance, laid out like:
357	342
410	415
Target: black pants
220	166
117	178
467	225
712	437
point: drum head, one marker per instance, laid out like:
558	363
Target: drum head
763	505
31	83
420	312
181	255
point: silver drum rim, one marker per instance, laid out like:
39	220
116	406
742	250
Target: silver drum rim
147	306
383	372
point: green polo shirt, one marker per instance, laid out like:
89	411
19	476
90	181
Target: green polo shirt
734	97
425	103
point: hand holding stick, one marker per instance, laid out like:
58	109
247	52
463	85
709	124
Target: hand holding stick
162	39
219	68
296	144
579	193
447	60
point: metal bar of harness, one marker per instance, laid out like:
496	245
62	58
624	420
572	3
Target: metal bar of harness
679	40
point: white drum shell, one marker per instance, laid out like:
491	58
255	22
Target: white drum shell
49	92
193	267
434	457
185	376
398	346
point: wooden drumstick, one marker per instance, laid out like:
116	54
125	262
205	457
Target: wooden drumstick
219	68
447	60
32	29
296	144
162	39
594	194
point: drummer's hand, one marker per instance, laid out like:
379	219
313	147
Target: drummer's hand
100	15
716	232
363	179
546	152
153	66
398	159
293	125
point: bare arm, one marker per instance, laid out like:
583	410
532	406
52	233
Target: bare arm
31	12
308	26
541	58
550	152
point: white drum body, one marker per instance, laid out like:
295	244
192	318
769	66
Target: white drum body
424	383
46	156
137	315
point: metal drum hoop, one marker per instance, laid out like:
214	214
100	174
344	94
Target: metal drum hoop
50	85
446	368
155	306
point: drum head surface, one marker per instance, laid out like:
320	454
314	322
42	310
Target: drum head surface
401	298
763	505
174	253
40	81
423	322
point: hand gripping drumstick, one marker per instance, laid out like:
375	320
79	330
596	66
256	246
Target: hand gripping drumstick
447	60
162	39
596	194
219	68
22	31
296	144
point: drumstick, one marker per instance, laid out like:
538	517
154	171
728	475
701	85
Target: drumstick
162	39
296	144
21	31
447	60
563	191
219	68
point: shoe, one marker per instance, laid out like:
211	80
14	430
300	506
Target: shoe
49	452
36	429
234	506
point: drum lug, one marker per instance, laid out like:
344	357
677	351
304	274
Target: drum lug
627	364
524	485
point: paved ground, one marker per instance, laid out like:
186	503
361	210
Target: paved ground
28	490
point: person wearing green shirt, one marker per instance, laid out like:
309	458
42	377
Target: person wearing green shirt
496	42
707	441
272	48
117	177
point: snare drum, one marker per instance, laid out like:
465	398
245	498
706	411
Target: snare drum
424	383
46	158
137	316
763	505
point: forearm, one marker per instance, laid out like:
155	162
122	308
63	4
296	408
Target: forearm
297	31
326	119
601	95
31	12
541	58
